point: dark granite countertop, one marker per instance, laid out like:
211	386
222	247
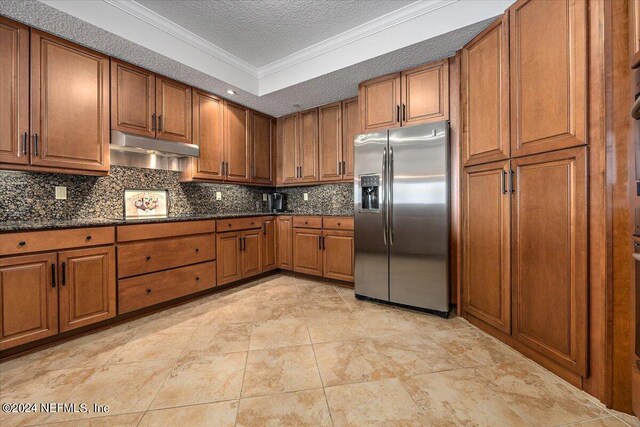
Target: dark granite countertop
8	226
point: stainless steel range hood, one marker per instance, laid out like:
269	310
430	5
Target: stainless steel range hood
151	153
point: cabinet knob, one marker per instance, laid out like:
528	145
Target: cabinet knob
197	278
88	237
229	225
197	250
148	291
22	243
306	222
252	223
148	258
339	224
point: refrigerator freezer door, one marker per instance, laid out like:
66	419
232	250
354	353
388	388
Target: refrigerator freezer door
419	216
371	248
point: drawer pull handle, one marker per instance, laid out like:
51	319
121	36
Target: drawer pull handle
306	222
22	243
148	258
148	291
229	225
339	224
88	237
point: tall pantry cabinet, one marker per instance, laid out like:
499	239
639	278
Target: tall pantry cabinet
524	182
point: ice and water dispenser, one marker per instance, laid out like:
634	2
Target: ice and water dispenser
370	185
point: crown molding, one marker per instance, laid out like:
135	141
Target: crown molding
355	34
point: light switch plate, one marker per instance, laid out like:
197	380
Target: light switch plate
306	196
61	193
218	195
264	197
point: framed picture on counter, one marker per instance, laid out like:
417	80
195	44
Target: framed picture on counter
142	203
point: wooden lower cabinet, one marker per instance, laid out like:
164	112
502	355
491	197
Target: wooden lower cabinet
269	244
307	253
338	255
229	268
284	237
28	299
251	252
87	292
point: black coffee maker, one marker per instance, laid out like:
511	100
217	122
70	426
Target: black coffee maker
276	202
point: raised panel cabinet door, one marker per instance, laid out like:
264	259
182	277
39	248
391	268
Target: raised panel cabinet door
307	253
308	146
485	95
237	146
287	152
133	99
69	105
14	92
229	262
338	255
284	238
269	245
486	280
330	141
173	107
350	128
251	252
87	286
425	93
261	148
548	75
549	256
379	101
28	299
208	134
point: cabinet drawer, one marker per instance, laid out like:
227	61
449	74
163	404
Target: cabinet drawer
144	291
127	233
147	257
307	221
238	224
337	223
37	241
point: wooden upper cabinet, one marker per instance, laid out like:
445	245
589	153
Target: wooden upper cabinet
14	87
261	148
308	146
425	93
237	142
87	286
133	99
284	236
229	262
485	95
548	72
269	245
549	256
208	124
634	32
173	109
28	299
486	284
307	254
251	252
350	128
338	255
380	103
330	141
69	105
287	152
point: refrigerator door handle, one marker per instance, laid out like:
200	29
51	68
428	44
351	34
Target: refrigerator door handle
390	198
384	195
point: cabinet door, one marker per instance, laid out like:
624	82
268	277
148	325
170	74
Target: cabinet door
330	141
379	101
425	93
486	283
133	99
236	142
350	128
208	121
284	237
87	286
261	149
548	72
338	255
287	152
269	248
173	107
28	299
251	252
14	87
307	256
485	95
549	256
69	105
229	263
634	31
308	146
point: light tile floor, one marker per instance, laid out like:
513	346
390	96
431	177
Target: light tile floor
287	350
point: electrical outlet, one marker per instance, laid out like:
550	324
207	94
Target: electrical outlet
61	193
264	197
306	196
218	195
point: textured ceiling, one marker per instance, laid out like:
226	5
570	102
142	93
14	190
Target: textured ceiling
328	88
261	32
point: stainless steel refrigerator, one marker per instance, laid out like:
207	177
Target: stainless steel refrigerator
402	216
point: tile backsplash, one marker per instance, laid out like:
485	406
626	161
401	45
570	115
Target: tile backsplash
31	196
